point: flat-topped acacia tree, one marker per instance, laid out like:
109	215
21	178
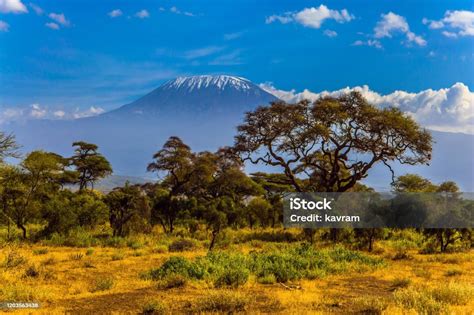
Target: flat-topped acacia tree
331	144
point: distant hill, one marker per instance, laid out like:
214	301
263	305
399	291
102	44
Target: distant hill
109	183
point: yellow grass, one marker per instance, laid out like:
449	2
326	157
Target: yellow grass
106	280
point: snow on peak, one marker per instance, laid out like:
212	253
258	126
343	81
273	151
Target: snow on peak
205	81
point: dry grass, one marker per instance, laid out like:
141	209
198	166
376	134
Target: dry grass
97	283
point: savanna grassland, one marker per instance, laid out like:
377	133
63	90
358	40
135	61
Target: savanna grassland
251	271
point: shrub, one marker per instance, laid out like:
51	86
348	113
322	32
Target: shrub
89	252
181	245
153	307
232	278
177	265
102	284
223	302
268	279
116	242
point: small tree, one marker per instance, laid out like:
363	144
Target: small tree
89	164
126	204
26	188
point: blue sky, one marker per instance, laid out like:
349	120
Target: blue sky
78	54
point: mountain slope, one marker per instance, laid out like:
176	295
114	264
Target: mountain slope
197	96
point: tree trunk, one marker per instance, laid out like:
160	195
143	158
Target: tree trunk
213	240
23	229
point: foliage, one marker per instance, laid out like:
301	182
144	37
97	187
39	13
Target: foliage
89	165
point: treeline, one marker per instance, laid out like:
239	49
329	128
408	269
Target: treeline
326	146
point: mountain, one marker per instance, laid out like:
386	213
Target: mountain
197	96
204	111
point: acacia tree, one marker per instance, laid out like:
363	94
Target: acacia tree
126	204
331	143
8	146
27	187
89	164
175	163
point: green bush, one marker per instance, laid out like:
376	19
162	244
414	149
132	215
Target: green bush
177	265
232	278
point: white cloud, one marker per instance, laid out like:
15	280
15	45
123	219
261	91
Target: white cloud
231	36
12	6
202	52
391	24
283	19
115	13
142	14
458	23
330	33
449	34
59	114
59	18
52	26
175	10
91	111
312	17
370	42
434	25
36	111
4	26
38	10
450	109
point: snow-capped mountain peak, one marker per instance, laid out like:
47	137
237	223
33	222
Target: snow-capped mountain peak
220	82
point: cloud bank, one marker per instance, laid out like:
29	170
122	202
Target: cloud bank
454	23
37	111
450	109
